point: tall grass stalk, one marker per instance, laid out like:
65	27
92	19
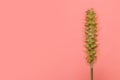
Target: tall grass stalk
90	32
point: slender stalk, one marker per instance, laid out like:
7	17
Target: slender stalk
91	71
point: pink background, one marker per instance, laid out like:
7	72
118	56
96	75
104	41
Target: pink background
44	40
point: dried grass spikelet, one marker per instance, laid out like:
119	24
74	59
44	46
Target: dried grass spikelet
90	32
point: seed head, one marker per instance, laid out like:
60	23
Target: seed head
90	32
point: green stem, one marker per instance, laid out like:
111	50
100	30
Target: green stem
91	71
